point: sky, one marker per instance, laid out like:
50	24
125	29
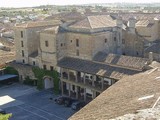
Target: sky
30	3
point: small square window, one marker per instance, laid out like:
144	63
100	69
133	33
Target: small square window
77	42
23	61
22	53
22	44
44	67
51	68
105	40
73	87
123	41
137	53
46	43
34	63
21	34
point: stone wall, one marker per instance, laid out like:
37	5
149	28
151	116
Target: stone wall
156	56
90	44
150	32
23	70
30	39
133	45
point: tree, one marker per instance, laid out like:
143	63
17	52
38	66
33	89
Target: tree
5	117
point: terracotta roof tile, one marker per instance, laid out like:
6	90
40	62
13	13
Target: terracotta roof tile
122	97
144	23
92	22
51	30
129	62
94	68
38	24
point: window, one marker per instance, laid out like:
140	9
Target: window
105	40
22	53
34	63
77	52
23	61
137	53
46	43
73	87
51	68
44	67
22	44
123	41
115	38
71	41
61	44
21	34
77	42
124	53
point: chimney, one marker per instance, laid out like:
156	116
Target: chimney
132	24
150	55
119	22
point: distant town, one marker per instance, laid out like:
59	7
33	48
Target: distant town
90	61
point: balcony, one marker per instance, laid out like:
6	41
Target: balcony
98	84
80	79
64	75
106	85
94	82
88	82
72	77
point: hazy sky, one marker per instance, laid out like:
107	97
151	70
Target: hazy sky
29	3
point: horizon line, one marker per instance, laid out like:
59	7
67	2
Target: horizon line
82	4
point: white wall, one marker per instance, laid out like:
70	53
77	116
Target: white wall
108	80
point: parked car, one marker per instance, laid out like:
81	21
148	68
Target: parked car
2	111
9	83
68	102
78	105
61	100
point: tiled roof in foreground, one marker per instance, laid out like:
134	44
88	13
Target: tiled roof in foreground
95	68
128	95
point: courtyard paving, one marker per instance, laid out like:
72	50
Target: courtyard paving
27	103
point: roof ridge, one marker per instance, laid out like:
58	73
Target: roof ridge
89	22
27	25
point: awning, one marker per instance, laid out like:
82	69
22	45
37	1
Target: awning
7	76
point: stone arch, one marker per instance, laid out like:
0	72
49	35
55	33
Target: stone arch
48	82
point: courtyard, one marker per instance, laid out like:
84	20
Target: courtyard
27	103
